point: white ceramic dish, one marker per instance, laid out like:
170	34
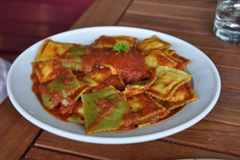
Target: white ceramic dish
206	83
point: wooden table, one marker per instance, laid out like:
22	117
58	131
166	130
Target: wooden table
216	136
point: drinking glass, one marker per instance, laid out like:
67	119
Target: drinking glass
227	21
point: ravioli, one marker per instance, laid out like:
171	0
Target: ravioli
156	58
143	107
51	50
62	87
184	95
43	70
110	41
72	58
139	87
182	62
153	43
77	118
104	110
168	81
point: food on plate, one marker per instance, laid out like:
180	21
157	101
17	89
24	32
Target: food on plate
114	84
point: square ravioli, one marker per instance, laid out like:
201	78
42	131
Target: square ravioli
51	50
143	109
104	110
168	81
60	88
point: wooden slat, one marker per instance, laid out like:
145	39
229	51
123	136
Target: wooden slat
166	23
221	58
172	11
191	4
16	133
227	108
210	136
227	75
147	150
40	154
112	13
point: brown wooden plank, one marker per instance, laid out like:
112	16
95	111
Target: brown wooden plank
108	13
229	77
171	11
210	136
221	58
193	4
147	150
227	108
16	133
40	154
198	27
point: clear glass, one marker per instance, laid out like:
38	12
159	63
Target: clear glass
227	21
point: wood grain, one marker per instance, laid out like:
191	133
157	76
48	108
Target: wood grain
183	25
226	75
161	9
108	13
192	4
16	133
221	58
227	108
40	154
210	136
147	150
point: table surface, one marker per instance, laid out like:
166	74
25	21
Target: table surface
215	136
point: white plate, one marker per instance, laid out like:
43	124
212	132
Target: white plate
206	83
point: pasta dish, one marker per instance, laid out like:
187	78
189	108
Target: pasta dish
114	84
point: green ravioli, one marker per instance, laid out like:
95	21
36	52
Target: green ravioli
104	110
72	59
60	87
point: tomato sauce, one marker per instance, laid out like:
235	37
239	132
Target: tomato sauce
130	65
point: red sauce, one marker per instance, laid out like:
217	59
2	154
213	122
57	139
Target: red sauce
130	65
